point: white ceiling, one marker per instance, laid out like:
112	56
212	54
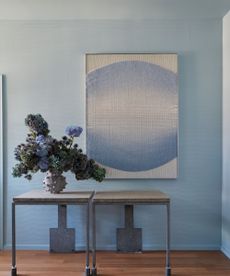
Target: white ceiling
112	9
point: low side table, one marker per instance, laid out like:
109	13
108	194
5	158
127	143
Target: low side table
37	197
131	197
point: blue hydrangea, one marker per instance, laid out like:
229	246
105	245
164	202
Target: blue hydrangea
40	139
42	152
74	131
43	163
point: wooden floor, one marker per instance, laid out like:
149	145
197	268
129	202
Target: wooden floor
117	264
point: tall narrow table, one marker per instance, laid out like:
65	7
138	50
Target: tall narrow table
37	197
131	197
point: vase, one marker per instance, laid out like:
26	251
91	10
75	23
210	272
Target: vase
54	182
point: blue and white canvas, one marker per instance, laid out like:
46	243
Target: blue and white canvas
132	114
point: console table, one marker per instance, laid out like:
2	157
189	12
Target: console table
129	197
37	197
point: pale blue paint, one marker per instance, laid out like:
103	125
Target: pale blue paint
112	9
44	66
1	162
226	136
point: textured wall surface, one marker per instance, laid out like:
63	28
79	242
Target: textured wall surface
43	62
226	135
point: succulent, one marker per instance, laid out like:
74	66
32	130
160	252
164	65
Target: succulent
42	152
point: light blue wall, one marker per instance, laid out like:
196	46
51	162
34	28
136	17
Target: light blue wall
1	163
44	66
226	135
112	9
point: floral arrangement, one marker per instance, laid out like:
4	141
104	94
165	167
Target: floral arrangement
42	152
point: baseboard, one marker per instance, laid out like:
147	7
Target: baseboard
28	246
38	247
226	251
112	247
198	247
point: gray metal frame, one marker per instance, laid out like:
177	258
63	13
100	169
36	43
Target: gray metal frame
93	216
28	202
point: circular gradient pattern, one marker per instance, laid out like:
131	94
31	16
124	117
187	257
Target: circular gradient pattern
132	115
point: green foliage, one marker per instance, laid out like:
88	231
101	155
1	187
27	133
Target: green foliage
98	173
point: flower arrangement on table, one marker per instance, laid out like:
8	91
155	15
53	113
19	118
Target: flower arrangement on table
43	153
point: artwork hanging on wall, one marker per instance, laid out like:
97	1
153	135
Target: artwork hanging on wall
132	114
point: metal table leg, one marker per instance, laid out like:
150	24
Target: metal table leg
94	269
13	269
168	267
87	268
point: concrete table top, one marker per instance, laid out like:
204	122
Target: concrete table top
130	197
40	196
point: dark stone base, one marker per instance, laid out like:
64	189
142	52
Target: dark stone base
62	240
129	240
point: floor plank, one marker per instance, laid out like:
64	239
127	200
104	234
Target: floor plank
184	263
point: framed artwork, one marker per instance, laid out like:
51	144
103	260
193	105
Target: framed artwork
132	114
